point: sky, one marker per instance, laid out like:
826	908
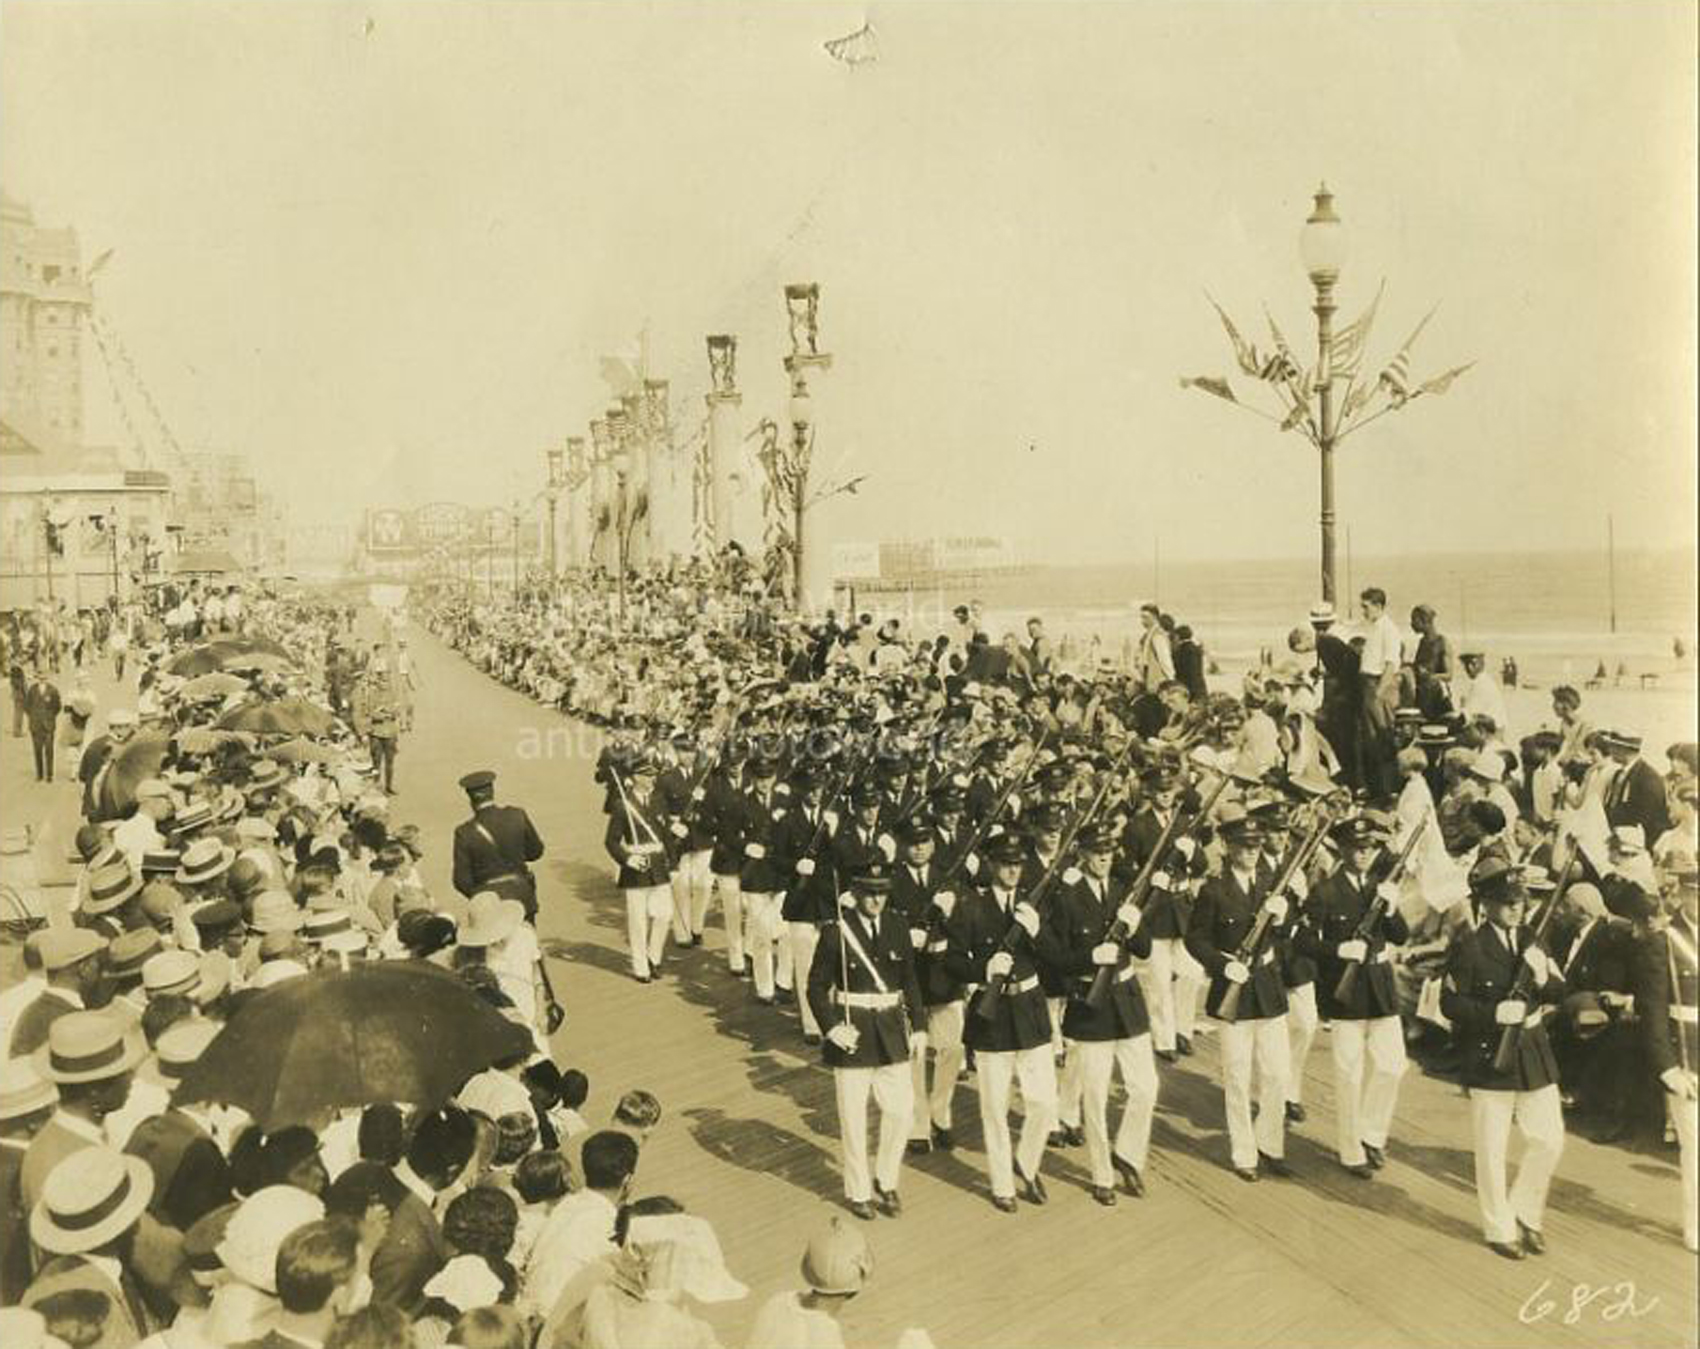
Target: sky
380	248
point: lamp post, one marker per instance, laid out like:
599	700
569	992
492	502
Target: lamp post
621	462
802	312
1322	246
555	455
802	417
514	523
490	552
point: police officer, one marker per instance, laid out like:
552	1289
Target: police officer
1013	1043
494	850
862	988
1087	927
1482	998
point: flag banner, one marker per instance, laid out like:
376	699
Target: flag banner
1244	353
1346	350
1210	384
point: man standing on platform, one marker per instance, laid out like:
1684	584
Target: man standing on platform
862	988
1011	1042
494	850
1378	674
1482	1001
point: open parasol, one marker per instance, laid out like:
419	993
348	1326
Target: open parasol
400	1031
214	685
219	654
136	759
282	716
303	750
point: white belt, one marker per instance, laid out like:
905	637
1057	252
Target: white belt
1027	984
1125	973
1689	1016
873	1001
1266	956
934	948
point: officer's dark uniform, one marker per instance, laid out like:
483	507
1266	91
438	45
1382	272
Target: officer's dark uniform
494	850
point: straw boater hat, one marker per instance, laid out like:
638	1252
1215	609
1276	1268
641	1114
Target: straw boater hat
171	972
24	1091
112	883
130	951
179	1047
88	1047
91	1197
275	911
264	774
62	949
161	862
204	860
334	930
191	818
837	1259
490	919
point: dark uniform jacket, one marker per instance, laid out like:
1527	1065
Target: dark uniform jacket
1637	796
722	819
1668	1016
644	823
1480	972
494	851
974	932
854	959
1168	911
805	831
1075	922
1332	914
673	789
913	899
1221	919
758	822
854	845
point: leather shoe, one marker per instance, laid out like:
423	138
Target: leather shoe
1246	1173
1030	1188
810	1038
643	978
1362	1170
1167	1055
1104	1195
862	1209
1533	1242
1184	1044
1129	1174
1074	1135
1295	1113
1275	1166
887	1202
785	997
1376	1157
1506	1249
942	1139
1004	1203
919	1147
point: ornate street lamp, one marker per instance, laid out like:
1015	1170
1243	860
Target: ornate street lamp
1322	246
554	455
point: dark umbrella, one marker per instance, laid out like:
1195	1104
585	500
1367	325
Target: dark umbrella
302	750
223	652
283	716
392	1030
137	758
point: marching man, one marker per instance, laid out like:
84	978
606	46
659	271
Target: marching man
1086	928
862	988
637	841
1368	1022
1479	998
1668	998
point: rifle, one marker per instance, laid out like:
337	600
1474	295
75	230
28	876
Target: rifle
987	1007
984	826
1505	1056
1365	932
1248	948
1118	931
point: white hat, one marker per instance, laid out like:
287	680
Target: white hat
490	919
259	1226
1322	612
26	1328
275	972
1489	765
91	1197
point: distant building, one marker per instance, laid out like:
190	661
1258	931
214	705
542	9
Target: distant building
44	308
218	507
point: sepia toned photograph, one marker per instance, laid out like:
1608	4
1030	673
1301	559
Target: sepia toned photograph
780	674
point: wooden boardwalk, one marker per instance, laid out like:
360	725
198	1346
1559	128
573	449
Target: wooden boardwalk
748	1140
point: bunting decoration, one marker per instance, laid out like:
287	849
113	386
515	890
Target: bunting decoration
1211	384
1395	379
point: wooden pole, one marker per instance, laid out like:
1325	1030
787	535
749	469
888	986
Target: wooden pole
1611	571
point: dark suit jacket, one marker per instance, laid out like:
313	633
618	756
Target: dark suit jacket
974	932
1637	796
41	707
914	901
1332	914
1480	972
413	1251
1075	922
648	825
191	1176
884	1032
1670	1043
509	850
14	1227
808	899
1221	920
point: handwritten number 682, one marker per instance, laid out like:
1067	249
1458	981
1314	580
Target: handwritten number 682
1610	1301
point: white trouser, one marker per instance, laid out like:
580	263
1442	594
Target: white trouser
1540	1118
1685	1115
1364	1110
944	1037
647	910
690	895
761	931
1036	1070
732	910
1094	1063
1302	1022
1056	1007
1266	1038
889	1086
804	937
1172	979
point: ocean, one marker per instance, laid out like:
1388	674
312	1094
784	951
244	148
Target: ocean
1552	611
